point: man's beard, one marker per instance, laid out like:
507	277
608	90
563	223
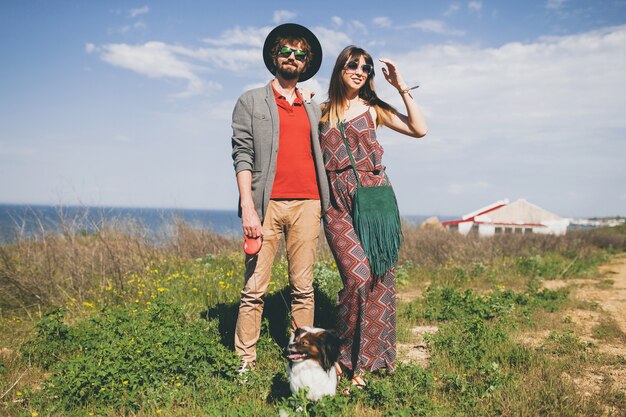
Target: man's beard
287	72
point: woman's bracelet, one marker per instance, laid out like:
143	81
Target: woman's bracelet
407	89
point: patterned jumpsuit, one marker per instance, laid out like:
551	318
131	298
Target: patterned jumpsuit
366	321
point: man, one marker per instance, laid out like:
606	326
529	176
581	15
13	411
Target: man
281	179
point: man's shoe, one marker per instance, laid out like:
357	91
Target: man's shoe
246	366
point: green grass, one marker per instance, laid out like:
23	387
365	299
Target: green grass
157	341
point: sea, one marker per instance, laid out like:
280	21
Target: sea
30	220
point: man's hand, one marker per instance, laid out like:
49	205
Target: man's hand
250	222
306	94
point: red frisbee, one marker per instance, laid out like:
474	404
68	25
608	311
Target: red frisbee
251	245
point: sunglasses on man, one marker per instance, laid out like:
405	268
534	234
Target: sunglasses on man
286	52
352	66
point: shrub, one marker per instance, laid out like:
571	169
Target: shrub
123	358
408	389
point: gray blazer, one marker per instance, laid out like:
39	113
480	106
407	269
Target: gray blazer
255	144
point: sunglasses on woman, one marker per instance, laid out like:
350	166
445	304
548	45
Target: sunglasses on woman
352	66
286	52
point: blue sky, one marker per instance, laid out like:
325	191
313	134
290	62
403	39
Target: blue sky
129	103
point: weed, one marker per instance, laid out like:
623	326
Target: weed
608	330
123	358
408	389
565	343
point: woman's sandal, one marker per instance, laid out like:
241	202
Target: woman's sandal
358	381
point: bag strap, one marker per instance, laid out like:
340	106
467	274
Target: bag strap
345	142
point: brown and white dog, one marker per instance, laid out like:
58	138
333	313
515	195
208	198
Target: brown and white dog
312	354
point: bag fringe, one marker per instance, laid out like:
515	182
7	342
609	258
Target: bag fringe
381	236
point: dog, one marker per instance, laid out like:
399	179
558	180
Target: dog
312	354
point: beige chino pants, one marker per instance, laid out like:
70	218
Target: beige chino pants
299	221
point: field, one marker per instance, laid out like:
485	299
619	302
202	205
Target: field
111	322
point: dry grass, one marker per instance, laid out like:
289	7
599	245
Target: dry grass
432	247
54	267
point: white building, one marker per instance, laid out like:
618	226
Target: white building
503	217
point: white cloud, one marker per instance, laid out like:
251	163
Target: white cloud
436	26
358	26
555	4
90	47
283	16
332	41
376	44
452	9
138	11
382	21
337	21
127	28
475	6
250	36
238	60
555	81
158	60
352	26
542	120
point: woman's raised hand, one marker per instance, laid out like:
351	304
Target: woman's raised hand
392	75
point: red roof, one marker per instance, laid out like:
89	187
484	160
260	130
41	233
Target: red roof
471	219
514	224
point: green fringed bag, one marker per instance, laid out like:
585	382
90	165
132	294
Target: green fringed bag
376	220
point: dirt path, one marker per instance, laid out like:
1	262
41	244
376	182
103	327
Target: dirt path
607	293
611	298
602	300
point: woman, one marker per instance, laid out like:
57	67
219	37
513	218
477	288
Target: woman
366	305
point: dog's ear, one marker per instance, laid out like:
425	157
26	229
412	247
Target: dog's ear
329	349
298	332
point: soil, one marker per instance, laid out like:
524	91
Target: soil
600	299
416	351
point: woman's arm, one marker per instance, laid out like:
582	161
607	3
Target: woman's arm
413	124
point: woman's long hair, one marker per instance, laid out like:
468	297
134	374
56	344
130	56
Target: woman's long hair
334	108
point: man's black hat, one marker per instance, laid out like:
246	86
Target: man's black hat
296	31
